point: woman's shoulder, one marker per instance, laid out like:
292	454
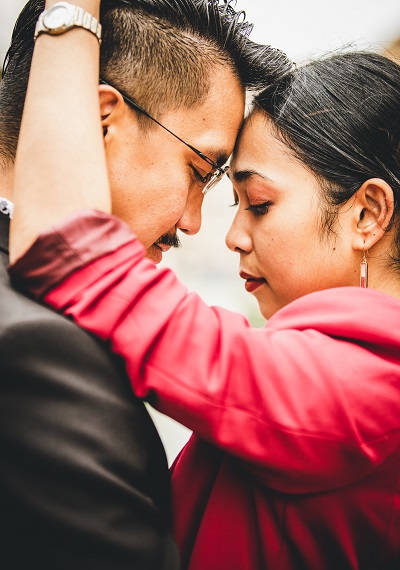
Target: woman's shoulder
363	315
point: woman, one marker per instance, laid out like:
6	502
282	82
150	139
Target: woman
294	462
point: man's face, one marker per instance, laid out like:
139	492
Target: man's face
154	177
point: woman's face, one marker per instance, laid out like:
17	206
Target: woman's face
277	230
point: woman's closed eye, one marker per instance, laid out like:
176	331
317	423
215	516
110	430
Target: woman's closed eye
259	209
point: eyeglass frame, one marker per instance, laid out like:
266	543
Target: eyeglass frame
211	178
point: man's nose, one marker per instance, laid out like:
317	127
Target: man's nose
190	220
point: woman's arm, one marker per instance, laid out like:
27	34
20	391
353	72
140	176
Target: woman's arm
60	164
283	400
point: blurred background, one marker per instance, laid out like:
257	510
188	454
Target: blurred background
303	29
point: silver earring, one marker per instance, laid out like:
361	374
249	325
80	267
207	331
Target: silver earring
364	272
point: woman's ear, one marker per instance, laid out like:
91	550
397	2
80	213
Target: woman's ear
373	211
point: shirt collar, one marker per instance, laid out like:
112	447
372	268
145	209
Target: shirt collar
6	207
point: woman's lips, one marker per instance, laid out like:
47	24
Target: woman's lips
252	283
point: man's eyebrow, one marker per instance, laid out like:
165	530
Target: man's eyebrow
243	175
220	157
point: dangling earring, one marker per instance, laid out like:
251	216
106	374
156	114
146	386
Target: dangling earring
364	272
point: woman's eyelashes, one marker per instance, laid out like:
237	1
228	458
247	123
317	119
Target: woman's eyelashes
259	209
235	200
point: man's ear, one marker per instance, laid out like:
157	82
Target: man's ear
111	105
373	211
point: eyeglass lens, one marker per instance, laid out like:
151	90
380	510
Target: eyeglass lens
215	178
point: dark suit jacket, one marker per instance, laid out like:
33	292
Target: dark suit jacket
83	475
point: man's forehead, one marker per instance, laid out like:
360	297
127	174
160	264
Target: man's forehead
216	142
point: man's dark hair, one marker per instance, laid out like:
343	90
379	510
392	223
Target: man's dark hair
160	52
340	116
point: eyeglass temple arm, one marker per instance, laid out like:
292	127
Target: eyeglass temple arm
141	110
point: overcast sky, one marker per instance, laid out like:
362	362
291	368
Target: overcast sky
308	27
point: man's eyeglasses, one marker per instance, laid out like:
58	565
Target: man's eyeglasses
212	177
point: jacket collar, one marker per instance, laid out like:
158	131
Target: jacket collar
364	316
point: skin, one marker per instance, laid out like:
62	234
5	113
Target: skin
152	176
284	253
63	98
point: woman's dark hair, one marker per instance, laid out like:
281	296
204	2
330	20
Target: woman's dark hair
340	116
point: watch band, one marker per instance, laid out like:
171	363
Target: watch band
77	17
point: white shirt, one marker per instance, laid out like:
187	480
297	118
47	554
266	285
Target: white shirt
6	207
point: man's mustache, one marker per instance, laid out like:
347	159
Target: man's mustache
169	239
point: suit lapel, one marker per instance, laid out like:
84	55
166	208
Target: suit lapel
4	231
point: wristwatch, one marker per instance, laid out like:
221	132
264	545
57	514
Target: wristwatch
62	17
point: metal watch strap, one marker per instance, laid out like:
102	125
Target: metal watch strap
80	19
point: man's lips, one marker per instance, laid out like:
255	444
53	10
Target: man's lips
156	250
252	283
163	247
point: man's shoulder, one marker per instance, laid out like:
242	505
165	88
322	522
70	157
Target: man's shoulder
31	332
19	312
73	435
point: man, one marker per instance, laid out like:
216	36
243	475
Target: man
84	480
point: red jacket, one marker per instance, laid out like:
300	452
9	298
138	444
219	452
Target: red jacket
296	459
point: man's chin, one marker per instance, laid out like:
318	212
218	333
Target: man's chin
154	253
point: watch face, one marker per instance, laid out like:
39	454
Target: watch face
57	16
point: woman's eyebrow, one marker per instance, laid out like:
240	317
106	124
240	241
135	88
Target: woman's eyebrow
243	175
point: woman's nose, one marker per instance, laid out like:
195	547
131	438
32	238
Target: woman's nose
238	238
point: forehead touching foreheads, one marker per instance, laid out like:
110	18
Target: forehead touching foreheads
159	52
165	54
